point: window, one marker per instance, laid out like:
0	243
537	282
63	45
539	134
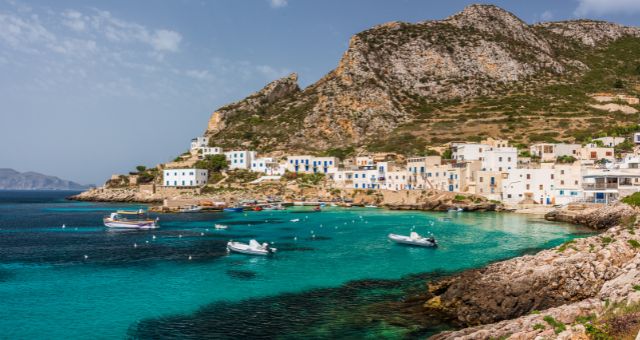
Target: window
509	196
561	182
499	159
508	159
551	176
528	176
562	172
576	182
608	153
528	186
480	179
541	187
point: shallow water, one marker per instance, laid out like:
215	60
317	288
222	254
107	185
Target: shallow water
330	270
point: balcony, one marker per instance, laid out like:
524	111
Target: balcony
599	186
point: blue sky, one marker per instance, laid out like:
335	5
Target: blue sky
92	88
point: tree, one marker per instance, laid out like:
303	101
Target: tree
566	159
447	154
213	163
141	168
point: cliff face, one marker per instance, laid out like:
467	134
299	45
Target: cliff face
392	74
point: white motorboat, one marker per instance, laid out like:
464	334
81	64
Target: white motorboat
295	220
221	227
190	209
253	248
371	206
130	220
414	239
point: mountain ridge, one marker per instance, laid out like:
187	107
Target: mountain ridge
11	179
397	74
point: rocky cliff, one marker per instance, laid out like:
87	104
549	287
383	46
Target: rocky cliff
399	79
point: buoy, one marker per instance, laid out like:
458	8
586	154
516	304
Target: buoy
153	237
180	236
313	236
295	238
189	257
63	226
201	234
135	245
86	257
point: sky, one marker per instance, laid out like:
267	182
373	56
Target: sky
92	88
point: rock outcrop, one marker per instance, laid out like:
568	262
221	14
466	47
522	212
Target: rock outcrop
598	217
391	74
577	279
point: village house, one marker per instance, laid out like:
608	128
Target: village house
199	142
186	177
592	152
311	164
610	141
607	186
240	159
549	152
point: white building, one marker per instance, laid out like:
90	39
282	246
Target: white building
240	159
592	152
190	177
529	185
311	164
611	141
268	166
199	142
636	138
469	151
499	159
549	152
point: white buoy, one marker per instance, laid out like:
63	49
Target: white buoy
190	257
295	238
63	226
313	236
180	236
86	257
153	237
201	234
135	245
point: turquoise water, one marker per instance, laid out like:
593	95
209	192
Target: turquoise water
48	289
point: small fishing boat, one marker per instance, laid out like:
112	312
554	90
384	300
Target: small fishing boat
234	209
295	220
370	206
221	227
414	239
317	208
253	248
458	209
257	208
190	209
130	220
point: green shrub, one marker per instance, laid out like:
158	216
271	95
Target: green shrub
634	243
564	246
632	200
606	240
213	163
460	198
558	326
539	326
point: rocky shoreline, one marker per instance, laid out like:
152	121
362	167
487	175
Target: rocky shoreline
530	297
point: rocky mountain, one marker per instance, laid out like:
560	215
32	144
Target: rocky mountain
478	73
14	180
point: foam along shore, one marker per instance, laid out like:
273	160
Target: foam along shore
552	294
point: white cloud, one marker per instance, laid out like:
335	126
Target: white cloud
278	3
602	7
165	40
547	15
74	20
197	74
18	32
272	73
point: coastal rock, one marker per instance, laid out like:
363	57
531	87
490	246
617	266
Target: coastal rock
597	266
596	217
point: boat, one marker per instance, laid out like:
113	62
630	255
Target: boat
295	220
458	209
257	208
371	206
233	209
190	209
253	248
124	219
414	239
317	208
221	227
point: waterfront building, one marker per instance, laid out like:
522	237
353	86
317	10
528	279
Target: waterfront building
529	186
311	164
608	186
186	177
499	159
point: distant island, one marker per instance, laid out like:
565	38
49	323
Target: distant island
13	180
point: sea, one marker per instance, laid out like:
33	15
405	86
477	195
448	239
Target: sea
334	275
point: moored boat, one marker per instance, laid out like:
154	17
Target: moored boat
130	220
253	248
221	227
414	239
190	209
233	209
